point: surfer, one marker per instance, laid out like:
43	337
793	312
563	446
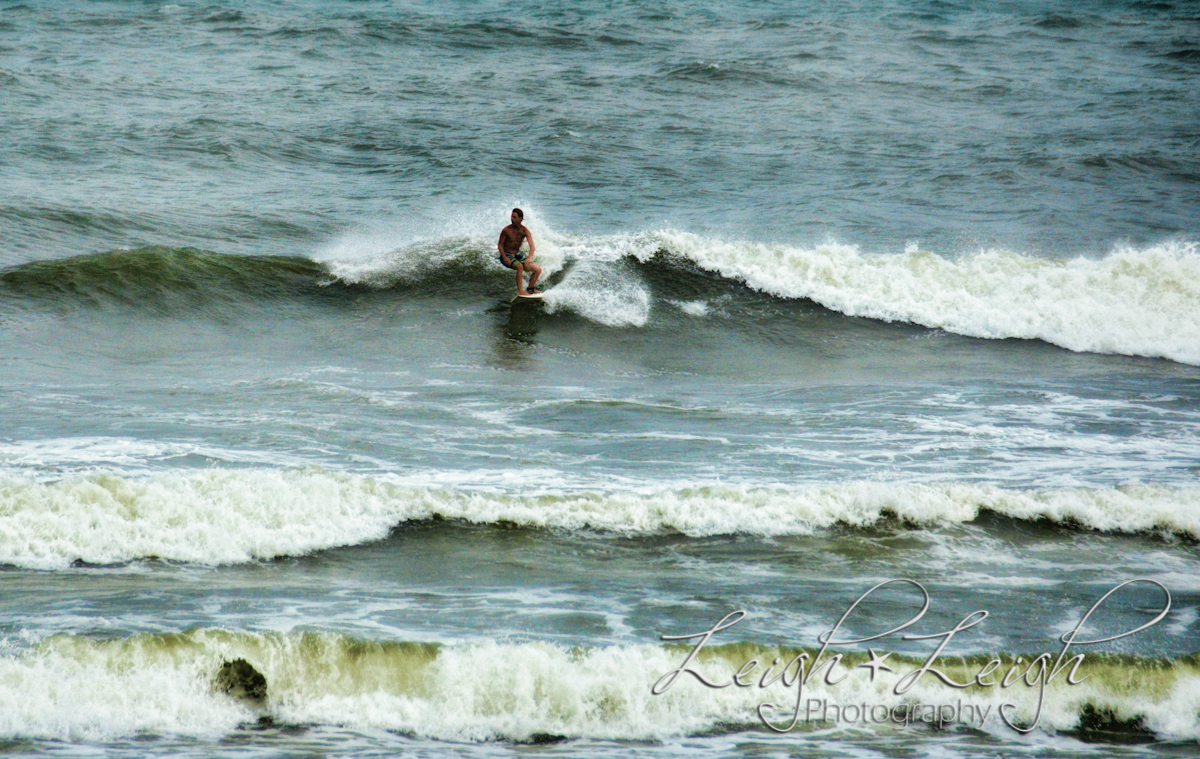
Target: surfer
511	255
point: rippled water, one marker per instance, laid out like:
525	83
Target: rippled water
837	295
1034	126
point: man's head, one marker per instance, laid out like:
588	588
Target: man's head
517	216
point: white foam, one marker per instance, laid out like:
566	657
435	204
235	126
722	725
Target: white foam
607	292
83	692
691	307
1143	302
213	517
73	687
233	516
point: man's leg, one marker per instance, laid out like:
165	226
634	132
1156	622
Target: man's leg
536	272
520	269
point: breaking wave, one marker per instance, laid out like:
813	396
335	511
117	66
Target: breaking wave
235	516
1137	302
76	687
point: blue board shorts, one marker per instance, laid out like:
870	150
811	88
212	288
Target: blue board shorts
520	255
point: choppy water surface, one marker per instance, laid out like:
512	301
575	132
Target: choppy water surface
837	295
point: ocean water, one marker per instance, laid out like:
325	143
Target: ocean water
878	323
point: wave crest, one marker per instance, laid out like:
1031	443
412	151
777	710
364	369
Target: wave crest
236	516
73	687
1138	302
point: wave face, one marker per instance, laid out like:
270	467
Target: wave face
162	280
1137	302
73	687
230	517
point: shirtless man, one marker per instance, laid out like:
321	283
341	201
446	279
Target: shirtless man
512	256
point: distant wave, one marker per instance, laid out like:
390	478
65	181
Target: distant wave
235	516
1138	302
73	687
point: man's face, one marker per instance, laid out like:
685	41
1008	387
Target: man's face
516	220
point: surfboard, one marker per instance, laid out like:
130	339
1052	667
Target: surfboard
531	296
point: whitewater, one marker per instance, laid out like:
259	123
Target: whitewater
240	516
839	298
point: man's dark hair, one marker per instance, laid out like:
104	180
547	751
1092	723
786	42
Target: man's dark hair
519	212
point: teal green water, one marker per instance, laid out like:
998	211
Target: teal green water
836	296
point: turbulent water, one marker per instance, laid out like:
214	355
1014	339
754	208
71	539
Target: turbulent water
837	295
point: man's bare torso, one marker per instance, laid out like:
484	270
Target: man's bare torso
511	238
